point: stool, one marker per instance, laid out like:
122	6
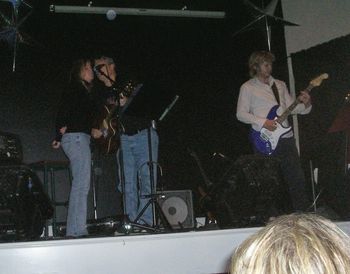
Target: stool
48	169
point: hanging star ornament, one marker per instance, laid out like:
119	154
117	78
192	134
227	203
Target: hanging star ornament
10	21
268	15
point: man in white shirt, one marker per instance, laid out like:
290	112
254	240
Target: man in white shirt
256	98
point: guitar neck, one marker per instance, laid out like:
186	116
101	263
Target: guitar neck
201	169
289	110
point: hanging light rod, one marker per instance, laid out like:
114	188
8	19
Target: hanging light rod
138	11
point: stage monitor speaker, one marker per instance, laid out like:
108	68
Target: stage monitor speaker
177	207
10	149
24	206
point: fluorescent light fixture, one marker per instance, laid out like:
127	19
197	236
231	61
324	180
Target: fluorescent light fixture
138	11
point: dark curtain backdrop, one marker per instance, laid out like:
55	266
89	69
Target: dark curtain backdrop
326	150
201	60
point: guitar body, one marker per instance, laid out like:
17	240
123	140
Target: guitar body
265	141
109	141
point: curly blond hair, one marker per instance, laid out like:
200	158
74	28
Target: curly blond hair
294	244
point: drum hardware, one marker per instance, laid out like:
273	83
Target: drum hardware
247	193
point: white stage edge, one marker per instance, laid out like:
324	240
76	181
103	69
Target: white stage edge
196	252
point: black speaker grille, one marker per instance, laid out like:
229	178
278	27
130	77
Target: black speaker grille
23	203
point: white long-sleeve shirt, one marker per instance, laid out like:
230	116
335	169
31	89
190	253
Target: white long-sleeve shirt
256	100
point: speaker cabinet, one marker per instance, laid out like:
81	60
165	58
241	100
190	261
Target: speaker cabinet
177	207
10	149
24	206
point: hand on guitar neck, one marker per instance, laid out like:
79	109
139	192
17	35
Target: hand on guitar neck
305	98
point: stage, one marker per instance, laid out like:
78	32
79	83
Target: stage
193	252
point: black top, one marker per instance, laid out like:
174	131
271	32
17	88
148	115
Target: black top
133	122
76	111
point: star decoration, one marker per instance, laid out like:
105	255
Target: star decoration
11	19
266	14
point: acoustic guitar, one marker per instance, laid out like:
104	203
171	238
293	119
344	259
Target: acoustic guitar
109	141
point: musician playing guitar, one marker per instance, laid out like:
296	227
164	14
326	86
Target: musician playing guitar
256	98
133	154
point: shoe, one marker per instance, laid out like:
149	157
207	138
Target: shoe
70	237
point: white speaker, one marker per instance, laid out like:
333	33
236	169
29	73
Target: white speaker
177	207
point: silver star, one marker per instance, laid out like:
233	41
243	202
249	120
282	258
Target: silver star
267	14
10	31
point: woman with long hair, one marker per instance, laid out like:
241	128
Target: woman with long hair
74	126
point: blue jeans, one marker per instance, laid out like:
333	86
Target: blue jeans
77	148
135	152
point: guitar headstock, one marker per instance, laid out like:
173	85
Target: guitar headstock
319	79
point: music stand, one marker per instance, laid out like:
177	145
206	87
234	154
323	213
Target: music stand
150	102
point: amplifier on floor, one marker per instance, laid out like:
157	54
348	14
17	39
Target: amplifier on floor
24	206
177	207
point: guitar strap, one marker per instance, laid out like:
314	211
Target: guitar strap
275	92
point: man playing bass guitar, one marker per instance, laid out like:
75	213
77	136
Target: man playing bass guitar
256	98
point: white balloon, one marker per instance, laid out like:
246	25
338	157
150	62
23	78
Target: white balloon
111	14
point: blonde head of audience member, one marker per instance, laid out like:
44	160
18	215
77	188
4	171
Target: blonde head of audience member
294	244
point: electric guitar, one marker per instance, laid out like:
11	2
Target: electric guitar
206	201
266	141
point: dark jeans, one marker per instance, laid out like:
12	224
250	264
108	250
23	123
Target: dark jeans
292	172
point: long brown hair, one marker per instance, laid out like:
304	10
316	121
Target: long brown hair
74	75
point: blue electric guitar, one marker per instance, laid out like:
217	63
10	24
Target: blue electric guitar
265	141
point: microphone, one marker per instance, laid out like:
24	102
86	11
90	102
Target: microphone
97	68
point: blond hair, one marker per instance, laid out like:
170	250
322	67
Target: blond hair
257	58
294	244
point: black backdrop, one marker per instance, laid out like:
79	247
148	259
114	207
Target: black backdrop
198	59
325	150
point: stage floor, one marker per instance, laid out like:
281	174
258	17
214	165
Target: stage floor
193	252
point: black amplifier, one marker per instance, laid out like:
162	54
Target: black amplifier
24	205
10	149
